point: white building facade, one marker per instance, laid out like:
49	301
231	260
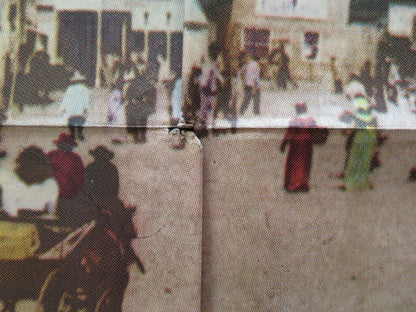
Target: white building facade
81	33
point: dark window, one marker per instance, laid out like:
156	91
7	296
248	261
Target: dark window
176	49
256	42
137	41
112	31
311	45
368	11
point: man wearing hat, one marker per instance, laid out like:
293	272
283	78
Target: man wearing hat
75	103
140	96
102	177
68	171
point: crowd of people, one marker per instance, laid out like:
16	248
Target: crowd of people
214	87
384	86
363	141
56	184
132	99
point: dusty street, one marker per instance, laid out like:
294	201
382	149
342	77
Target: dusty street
52	114
166	187
327	250
277	108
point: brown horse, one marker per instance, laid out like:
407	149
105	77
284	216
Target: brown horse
94	276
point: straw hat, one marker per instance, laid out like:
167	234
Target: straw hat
38	44
129	76
355	88
77	77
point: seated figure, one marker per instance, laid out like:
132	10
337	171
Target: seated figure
30	186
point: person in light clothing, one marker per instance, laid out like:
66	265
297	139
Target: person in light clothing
116	116
30	186
209	83
75	104
176	101
251	86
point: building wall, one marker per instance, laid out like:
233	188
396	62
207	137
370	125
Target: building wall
351	44
162	16
401	19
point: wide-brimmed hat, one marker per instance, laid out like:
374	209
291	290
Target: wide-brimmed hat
101	152
66	138
129	76
355	88
77	77
300	105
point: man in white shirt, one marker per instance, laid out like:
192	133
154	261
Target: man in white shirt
251	79
75	103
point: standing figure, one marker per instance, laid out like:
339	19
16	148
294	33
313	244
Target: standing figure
102	178
68	170
338	85
39	71
115	112
363	145
251	86
379	84
224	92
75	103
117	72
176	102
299	159
366	78
140	97
283	74
31	186
209	82
192	101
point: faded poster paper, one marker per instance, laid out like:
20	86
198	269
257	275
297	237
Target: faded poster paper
47	46
99	226
271	55
321	249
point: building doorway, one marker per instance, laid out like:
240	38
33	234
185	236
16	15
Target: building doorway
176	52
112	31
157	46
77	42
256	42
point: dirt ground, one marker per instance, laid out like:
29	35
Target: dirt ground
166	187
327	250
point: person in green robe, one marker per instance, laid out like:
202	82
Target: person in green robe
364	144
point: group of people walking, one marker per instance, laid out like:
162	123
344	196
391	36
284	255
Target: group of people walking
363	140
131	101
214	87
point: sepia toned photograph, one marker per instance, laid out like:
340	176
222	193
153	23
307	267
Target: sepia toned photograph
293	225
62	62
93	226
255	59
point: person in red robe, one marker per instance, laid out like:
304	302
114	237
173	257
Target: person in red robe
299	136
69	172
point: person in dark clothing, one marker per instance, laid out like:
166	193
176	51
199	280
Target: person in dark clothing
283	74
101	176
140	97
366	78
40	69
338	85
117	72
193	96
225	92
379	83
